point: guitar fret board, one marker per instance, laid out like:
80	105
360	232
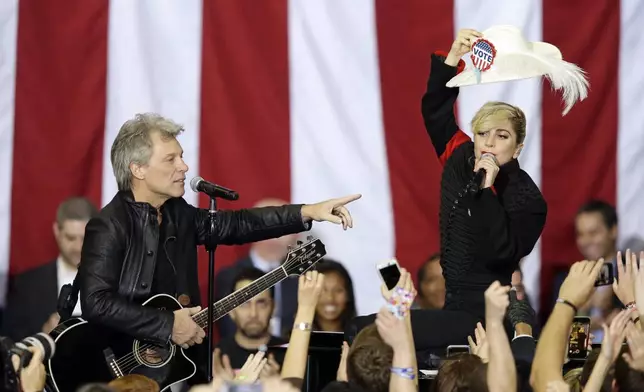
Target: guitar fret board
234	300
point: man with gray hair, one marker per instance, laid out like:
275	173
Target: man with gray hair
144	242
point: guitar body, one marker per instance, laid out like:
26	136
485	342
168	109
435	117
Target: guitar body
89	353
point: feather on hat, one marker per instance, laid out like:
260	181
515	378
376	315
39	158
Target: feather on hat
503	54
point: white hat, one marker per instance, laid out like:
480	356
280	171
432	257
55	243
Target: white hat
503	54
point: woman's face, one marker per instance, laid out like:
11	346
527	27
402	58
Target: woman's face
333	299
497	136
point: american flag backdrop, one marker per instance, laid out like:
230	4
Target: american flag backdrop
306	100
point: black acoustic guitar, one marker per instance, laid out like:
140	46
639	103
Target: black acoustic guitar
88	352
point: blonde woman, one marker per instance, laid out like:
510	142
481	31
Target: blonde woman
487	222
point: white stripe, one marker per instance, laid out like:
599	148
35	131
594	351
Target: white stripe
337	136
154	65
630	141
8	48
526	94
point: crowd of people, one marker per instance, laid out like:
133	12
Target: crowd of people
143	244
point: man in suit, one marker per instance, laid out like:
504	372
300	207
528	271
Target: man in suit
265	256
32	296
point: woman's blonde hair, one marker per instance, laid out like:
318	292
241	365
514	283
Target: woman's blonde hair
573	379
504	111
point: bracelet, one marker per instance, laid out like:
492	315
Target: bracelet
565	302
630	305
302	326
407	373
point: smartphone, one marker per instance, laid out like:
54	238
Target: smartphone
389	272
579	338
606	276
456	349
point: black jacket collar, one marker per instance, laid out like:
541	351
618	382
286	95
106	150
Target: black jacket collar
142	207
508	173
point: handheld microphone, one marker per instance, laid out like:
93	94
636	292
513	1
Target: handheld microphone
475	184
198	184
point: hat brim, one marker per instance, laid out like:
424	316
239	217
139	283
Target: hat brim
515	66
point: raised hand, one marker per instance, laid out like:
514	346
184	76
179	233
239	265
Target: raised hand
252	368
520	310
614	335
638	278
271	368
333	211
341	375
496	301
309	288
249	372
635	356
480	348
392	329
624	287
405	283
580	282
221	367
461	45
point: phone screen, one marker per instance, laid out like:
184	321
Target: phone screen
579	338
605	276
455	350
390	274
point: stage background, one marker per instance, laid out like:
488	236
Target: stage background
307	100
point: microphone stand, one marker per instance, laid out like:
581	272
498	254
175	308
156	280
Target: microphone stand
211	247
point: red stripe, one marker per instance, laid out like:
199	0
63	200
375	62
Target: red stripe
60	114
405	42
245	129
579	150
459	138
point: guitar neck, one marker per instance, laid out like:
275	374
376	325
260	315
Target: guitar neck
226	304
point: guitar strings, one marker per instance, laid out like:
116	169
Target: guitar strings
130	361
201	318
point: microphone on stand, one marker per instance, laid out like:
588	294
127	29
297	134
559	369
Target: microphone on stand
214	191
198	184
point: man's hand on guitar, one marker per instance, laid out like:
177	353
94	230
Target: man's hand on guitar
185	332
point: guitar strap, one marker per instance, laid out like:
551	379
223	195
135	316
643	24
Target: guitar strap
67	299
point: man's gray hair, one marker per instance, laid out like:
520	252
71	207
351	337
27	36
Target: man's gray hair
134	145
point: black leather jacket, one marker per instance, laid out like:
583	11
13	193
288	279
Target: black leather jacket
119	256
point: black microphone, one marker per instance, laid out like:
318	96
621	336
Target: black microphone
198	184
475	183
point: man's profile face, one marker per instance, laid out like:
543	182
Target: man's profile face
165	172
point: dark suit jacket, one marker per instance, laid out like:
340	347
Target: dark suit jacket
224	286
32	297
523	350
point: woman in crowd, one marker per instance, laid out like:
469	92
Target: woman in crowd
337	305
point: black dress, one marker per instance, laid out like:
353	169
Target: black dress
483	235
